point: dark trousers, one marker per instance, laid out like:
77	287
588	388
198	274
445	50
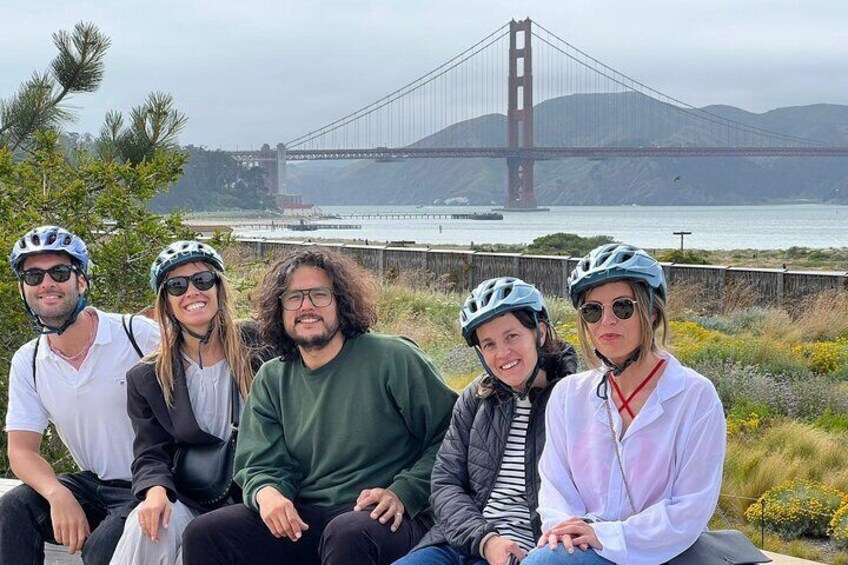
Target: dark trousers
25	523
336	536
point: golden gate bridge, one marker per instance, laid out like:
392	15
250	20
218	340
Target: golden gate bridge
436	117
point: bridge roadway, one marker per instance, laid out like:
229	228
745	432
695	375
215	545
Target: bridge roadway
539	153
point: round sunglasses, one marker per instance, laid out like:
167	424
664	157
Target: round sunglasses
623	309
177	286
59	273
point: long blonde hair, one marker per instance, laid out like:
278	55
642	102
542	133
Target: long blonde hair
237	353
654	324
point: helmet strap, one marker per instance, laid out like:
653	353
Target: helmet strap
204	338
46	329
618	369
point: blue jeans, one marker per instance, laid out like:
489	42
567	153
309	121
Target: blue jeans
544	556
442	554
25	523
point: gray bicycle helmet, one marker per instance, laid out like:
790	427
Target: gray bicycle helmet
179	253
614	262
494	297
49	239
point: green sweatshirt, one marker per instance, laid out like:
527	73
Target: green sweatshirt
374	416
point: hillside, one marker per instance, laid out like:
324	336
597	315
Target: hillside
648	181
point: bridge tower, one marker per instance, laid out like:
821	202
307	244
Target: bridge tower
519	128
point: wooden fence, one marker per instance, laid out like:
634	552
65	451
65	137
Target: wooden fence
466	269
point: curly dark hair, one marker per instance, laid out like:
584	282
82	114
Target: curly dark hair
354	288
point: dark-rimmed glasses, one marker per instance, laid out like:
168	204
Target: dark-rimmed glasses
623	309
59	273
177	286
319	297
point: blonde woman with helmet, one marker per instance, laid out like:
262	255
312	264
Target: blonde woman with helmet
632	464
183	395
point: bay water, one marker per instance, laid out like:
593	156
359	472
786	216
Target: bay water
711	227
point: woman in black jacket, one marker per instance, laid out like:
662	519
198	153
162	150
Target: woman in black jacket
484	482
183	395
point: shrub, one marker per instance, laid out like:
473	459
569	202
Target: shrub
838	528
832	421
824	356
569	244
796	508
685	256
746	418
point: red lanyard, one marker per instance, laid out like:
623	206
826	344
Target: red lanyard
625	402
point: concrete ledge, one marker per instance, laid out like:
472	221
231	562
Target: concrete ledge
57	555
786	560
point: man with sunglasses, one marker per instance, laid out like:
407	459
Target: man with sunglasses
73	376
339	434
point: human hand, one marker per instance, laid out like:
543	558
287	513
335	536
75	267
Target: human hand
388	506
70	525
155	506
497	551
279	514
572	533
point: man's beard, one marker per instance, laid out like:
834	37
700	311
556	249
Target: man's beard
56	316
315	342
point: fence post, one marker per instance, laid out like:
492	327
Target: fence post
381	268
763	523
780	288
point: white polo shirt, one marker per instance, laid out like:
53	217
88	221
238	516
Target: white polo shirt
87	406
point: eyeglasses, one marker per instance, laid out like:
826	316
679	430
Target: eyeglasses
59	273
177	286
293	299
623	309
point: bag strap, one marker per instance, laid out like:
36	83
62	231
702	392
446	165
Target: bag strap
618	455
34	356
235	403
130	335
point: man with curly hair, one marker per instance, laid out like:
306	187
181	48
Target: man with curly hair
339	434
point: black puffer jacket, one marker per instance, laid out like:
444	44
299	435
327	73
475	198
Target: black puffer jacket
470	456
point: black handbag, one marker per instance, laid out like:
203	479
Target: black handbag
720	547
204	473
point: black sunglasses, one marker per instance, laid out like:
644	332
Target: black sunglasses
177	286
59	273
623	309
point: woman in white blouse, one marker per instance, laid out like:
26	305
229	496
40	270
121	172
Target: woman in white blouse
632	464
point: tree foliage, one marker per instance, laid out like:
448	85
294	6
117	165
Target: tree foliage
566	244
100	190
38	104
213	180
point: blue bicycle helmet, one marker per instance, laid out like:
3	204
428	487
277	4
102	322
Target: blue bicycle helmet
615	262
49	239
179	253
494	297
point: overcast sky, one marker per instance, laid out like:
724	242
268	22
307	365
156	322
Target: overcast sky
264	71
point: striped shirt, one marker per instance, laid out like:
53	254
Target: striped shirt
507	507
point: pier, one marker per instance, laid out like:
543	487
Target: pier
421	216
